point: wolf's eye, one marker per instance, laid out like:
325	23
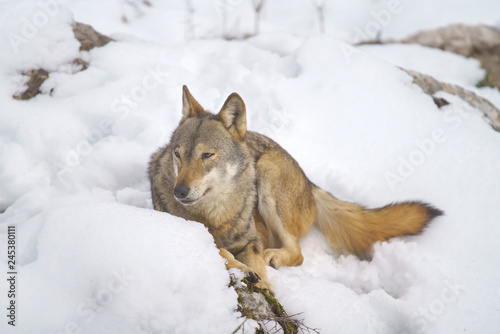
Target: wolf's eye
177	154
206	155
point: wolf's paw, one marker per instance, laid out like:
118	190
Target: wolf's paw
274	257
253	277
263	284
277	257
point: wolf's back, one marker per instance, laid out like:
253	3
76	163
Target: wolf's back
350	228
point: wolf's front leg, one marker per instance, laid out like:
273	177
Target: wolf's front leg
251	263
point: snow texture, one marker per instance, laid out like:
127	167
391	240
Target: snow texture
92	255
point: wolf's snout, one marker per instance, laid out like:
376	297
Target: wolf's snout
181	192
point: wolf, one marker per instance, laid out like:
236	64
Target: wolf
255	199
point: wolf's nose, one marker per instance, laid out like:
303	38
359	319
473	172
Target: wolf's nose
181	191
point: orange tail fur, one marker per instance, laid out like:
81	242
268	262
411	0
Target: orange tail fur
350	228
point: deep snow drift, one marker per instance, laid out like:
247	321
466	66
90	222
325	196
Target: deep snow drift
92	255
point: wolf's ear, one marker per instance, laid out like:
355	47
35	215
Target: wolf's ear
190	107
233	116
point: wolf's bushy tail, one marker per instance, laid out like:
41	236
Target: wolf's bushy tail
350	228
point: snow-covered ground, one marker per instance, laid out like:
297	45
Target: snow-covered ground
93	257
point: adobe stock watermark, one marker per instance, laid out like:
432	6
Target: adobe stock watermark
222	7
87	310
278	120
372	29
120	109
380	19
435	308
33	24
424	148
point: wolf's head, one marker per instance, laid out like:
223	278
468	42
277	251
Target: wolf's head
209	151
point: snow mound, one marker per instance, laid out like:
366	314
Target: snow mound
127	269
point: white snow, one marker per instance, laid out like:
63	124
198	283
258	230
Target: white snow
442	65
92	255
124	268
